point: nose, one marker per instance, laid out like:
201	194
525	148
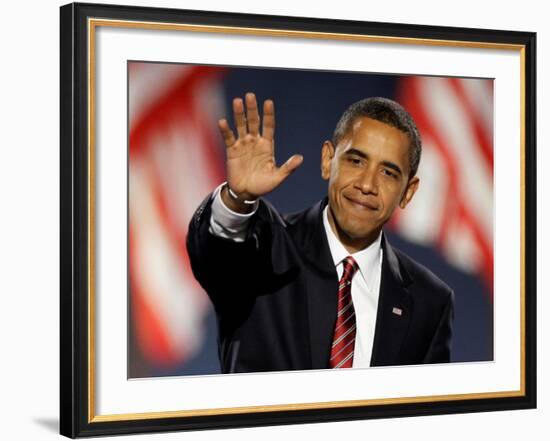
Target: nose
367	181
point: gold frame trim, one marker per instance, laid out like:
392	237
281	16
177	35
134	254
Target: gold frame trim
300	406
92	24
262	32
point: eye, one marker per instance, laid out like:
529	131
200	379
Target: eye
389	173
354	160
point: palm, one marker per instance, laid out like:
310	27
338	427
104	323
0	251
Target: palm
251	167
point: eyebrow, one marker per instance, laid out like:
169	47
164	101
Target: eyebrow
389	164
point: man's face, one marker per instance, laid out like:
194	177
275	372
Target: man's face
368	174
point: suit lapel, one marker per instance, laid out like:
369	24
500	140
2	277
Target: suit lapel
395	306
322	286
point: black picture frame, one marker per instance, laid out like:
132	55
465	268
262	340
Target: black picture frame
77	416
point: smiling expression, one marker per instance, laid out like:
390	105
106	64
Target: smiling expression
368	174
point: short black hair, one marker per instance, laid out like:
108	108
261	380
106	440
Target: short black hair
386	111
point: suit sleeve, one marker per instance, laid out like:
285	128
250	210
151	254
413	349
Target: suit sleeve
228	270
440	346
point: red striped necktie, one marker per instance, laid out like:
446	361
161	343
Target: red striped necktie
343	341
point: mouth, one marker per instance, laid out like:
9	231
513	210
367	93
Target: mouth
362	204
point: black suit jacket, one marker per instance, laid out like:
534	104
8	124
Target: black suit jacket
275	296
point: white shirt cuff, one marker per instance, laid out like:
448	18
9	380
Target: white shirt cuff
226	223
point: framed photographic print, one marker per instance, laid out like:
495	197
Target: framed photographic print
412	149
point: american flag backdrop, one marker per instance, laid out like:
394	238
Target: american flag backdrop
176	158
174	161
454	210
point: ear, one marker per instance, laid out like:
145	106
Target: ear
327	154
412	186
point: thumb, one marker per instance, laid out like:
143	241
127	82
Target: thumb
290	165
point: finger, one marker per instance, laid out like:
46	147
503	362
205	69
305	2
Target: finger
289	166
227	133
238	115
252	116
268	128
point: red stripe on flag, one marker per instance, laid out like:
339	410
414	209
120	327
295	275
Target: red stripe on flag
160	113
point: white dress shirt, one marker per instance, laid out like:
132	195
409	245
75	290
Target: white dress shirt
365	286
365	289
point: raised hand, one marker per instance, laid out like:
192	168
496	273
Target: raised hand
251	167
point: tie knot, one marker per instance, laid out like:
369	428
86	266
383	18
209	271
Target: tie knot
350	267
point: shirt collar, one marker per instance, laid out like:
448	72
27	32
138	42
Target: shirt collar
367	259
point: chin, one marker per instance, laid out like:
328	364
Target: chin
353	227
361	231
358	233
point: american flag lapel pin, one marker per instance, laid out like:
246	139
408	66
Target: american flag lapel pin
397	311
